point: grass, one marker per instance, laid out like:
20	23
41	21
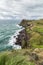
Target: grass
38	29
15	58
21	57
35	33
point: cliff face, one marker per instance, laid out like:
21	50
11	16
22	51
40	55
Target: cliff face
34	39
31	40
33	33
23	39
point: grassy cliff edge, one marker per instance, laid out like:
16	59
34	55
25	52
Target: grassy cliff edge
32	44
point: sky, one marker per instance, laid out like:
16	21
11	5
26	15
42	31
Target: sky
21	9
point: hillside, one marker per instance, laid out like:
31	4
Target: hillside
34	30
32	46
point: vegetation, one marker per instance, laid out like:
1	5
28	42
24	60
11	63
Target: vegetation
34	30
30	55
15	58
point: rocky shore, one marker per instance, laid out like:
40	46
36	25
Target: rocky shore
20	38
30	40
23	37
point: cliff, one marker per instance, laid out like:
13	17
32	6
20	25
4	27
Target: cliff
33	32
32	35
31	41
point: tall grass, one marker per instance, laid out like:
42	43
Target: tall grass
14	59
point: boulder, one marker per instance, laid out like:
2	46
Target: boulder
35	56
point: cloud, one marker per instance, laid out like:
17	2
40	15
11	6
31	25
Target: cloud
21	9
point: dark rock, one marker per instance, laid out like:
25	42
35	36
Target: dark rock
14	36
21	38
35	56
41	63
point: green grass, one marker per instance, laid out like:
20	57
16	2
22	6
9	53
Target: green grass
15	58
36	33
38	29
21	57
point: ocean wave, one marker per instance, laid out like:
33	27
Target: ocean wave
19	26
12	40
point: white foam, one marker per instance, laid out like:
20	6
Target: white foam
12	40
19	26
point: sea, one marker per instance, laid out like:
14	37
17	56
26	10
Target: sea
9	31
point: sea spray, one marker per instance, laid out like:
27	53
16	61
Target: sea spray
8	33
12	40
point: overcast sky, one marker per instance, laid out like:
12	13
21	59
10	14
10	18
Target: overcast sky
21	9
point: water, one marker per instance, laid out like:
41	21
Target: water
9	29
